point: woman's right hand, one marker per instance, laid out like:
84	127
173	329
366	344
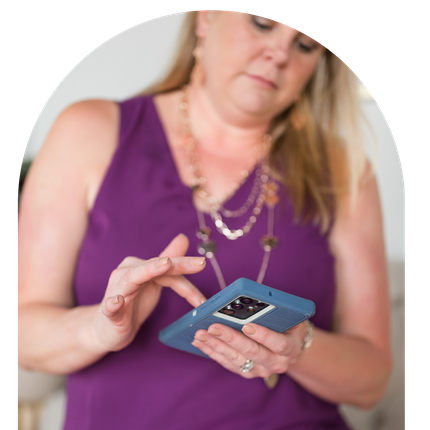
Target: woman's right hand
134	289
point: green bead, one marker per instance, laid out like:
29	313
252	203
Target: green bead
269	242
194	188
207	247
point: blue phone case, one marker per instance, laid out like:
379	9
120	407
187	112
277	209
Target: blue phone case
281	312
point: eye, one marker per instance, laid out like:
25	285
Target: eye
306	47
261	23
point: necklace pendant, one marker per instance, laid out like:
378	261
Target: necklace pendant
269	242
271	381
207	248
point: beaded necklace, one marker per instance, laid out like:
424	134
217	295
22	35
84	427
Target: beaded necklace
264	192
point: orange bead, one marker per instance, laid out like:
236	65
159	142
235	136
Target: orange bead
271	200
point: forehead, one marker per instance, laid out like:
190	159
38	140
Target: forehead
225	18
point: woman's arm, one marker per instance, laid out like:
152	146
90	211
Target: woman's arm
56	198
356	357
55	336
351	364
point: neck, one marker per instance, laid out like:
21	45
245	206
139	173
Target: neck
218	131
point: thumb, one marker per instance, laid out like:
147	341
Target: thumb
177	247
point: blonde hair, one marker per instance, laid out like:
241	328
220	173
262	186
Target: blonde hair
317	149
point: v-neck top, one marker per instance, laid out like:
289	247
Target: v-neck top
140	207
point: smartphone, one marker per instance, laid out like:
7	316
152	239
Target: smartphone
242	302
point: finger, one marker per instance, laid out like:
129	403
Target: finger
279	343
179	265
162	271
220	352
177	247
150	269
239	342
111	306
227	351
127	280
237	348
131	261
186	265
184	288
221	359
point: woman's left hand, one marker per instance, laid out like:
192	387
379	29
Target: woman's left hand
270	351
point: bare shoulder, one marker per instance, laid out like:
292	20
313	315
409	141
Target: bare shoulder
89	127
80	143
360	215
86	123
83	140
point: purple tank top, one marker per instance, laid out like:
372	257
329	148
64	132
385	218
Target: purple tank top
141	206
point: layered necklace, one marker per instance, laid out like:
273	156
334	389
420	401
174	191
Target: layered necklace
264	192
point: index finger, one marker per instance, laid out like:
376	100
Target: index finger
156	267
169	275
185	266
177	247
183	287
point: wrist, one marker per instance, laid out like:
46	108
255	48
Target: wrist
91	338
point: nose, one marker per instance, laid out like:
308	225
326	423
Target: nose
278	56
280	48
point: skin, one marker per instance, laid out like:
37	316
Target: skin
228	111
236	90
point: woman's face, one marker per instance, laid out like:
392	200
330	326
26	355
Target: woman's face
254	65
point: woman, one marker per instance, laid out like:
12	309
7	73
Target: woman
240	142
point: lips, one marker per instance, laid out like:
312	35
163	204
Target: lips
266	83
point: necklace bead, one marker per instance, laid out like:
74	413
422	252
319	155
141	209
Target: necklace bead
207	248
269	242
203	233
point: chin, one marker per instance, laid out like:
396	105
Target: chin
255	100
255	103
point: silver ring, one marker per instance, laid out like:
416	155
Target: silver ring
249	364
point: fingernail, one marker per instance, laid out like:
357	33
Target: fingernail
198	261
248	329
162	262
115	300
214	331
201	338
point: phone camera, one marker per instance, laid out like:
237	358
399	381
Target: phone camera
243	307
